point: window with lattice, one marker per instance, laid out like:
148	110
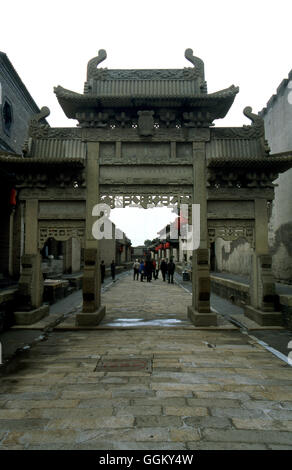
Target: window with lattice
7	116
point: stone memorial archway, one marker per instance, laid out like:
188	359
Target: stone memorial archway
147	136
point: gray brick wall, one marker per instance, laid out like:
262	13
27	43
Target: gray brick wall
14	92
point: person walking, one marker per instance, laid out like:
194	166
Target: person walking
102	271
154	269
148	270
163	267
157	269
170	269
136	267
141	270
113	270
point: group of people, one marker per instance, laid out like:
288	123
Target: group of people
149	269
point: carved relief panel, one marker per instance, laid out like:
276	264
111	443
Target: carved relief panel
230	230
61	230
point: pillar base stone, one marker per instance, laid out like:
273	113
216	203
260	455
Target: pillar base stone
263	318
31	316
90	319
202	319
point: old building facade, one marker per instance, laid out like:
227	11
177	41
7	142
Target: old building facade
16	109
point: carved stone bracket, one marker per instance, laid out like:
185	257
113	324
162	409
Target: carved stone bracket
61	231
230	230
92	119
240	178
167	117
199	118
65	178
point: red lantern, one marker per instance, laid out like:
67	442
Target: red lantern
13	197
167	245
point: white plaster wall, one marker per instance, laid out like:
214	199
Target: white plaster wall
233	257
278	129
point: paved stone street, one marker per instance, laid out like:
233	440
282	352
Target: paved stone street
209	388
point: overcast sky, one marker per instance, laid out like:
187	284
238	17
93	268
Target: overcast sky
245	43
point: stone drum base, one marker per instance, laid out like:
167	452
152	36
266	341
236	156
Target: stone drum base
202	319
32	316
90	319
263	318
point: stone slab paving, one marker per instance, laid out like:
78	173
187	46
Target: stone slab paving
233	395
136	304
206	389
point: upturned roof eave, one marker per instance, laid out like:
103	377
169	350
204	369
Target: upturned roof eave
72	102
12	159
278	162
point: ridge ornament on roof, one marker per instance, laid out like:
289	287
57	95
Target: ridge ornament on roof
166	92
93	63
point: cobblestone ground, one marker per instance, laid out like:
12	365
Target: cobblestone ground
206	388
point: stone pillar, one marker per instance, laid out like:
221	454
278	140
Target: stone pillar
76	255
92	312
200	313
67	256
181	251
263	297
30	286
